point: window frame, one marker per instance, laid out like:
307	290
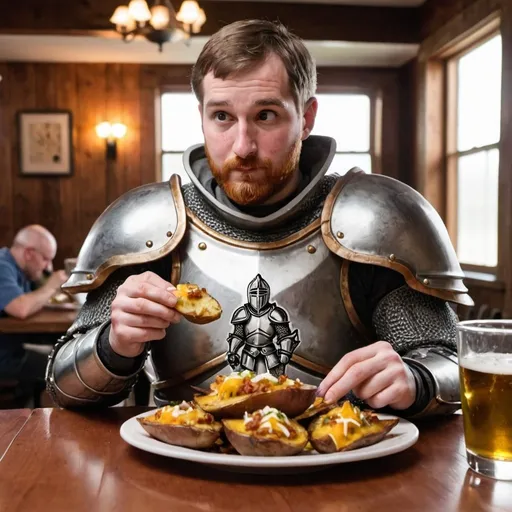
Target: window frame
452	154
375	96
160	151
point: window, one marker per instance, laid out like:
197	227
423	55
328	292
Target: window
181	128
473	136
347	119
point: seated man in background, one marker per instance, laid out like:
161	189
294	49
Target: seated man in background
22	267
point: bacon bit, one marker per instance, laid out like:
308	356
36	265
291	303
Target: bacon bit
282	379
206	420
247	387
255	422
194	293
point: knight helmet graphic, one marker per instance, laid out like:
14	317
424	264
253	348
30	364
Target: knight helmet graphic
262	340
258	294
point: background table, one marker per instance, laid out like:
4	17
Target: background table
66	460
45	321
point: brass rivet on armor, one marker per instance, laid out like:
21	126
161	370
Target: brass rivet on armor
311	249
169	234
426	281
89	277
202	246
149	243
339	234
392	257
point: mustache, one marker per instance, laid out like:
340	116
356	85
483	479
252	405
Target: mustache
245	164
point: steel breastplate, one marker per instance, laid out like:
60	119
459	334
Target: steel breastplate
305	334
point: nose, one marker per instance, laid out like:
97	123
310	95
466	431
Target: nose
245	142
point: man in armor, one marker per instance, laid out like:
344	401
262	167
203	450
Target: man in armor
343	282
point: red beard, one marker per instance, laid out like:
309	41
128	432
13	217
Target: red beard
254	189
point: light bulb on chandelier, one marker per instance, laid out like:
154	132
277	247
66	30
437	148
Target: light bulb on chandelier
159	24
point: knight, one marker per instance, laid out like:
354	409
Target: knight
256	324
346	282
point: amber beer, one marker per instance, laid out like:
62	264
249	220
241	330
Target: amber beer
486	395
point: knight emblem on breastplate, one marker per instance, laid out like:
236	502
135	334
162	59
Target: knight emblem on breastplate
262	340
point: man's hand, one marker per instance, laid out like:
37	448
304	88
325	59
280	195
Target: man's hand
376	374
56	280
141	311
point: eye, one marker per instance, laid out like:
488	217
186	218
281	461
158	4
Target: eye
221	116
267	115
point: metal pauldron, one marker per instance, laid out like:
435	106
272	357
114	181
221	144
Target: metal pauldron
78	377
442	366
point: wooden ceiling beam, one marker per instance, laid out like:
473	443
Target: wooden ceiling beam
309	21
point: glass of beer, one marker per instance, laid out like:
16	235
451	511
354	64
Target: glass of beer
485	361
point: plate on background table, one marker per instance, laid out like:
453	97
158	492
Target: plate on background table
64	306
403	436
62	301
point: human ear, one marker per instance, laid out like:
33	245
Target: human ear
309	116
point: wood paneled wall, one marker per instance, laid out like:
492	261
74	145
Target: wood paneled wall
68	206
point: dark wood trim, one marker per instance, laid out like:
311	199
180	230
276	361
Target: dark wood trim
313	22
466	22
481	269
505	176
451	162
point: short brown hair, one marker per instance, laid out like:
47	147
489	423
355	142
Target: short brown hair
239	45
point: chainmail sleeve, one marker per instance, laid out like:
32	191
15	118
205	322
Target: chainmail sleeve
409	319
81	370
422	329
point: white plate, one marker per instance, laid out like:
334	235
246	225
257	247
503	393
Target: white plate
404	435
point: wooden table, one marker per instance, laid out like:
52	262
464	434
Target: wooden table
65	460
45	321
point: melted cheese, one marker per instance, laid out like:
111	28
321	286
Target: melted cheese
343	417
178	415
231	384
271	420
266	376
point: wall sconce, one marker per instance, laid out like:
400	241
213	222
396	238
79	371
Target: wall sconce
111	132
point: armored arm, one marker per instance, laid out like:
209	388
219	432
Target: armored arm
134	234
422	329
78	372
377	221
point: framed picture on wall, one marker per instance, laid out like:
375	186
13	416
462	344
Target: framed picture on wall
45	142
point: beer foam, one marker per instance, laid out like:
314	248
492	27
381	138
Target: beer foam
488	362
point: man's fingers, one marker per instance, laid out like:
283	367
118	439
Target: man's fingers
142	285
144	307
375	384
385	397
154	279
139	334
353	377
144	321
347	361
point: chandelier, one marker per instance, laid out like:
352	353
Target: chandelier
161	23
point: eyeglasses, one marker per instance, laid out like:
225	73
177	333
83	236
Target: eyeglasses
35	249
